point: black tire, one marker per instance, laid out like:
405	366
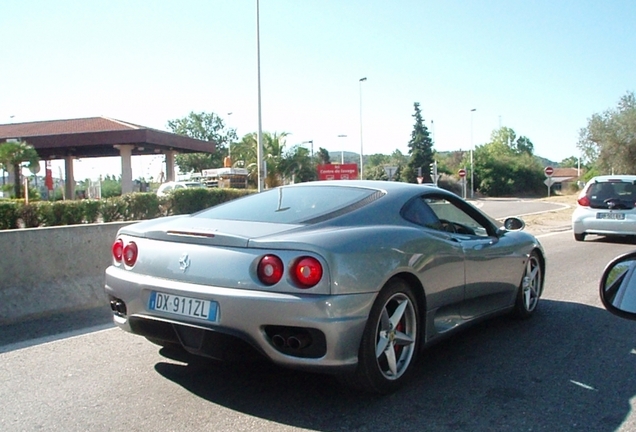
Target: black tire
530	288
390	342
579	237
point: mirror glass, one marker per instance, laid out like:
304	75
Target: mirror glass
514	224
619	287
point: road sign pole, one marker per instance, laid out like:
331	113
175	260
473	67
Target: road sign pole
462	176
548	171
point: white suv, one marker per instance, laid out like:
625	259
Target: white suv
168	187
606	207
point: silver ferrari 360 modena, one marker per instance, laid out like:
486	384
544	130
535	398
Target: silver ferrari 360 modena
346	277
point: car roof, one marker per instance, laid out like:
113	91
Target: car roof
620	177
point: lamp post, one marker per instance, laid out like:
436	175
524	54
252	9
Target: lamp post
472	165
229	145
259	152
342	150
361	146
312	147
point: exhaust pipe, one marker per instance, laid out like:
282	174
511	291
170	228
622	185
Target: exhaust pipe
118	306
298	341
279	341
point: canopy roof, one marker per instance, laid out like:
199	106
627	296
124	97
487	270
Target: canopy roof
97	137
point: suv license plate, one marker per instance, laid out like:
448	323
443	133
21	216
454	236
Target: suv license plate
612	216
184	306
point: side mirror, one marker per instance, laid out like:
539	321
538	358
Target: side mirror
514	224
618	286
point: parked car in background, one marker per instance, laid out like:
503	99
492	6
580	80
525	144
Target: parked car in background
166	188
346	277
606	207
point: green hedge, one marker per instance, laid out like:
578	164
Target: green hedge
137	206
9	214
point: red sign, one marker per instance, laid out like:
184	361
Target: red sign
48	179
548	171
338	172
462	173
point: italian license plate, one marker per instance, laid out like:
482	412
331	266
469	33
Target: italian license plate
184	306
612	216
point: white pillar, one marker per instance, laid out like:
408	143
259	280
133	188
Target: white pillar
125	152
170	166
69	185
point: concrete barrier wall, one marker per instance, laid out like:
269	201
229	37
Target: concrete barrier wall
54	269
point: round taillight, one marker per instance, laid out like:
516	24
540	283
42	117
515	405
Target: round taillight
118	249
584	201
270	269
130	254
307	272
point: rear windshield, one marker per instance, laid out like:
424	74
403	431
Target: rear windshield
614	194
293	205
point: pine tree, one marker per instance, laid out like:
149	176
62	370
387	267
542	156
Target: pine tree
420	151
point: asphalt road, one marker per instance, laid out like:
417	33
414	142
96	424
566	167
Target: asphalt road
501	208
571	367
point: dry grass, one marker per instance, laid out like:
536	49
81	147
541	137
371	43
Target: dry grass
556	220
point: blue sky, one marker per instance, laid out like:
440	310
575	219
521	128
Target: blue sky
540	67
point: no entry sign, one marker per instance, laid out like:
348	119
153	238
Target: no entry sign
548	171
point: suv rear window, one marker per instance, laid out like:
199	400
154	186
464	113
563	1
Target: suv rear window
612	194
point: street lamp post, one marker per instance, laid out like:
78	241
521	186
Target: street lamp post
342	150
312	147
361	146
259	153
472	165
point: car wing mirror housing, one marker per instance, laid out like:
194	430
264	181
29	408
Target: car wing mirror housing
617	287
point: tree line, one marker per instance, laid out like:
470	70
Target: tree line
506	165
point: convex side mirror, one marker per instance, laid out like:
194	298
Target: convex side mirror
618	286
514	224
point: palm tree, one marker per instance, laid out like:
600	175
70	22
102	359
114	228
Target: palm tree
273	146
244	155
13	155
298	166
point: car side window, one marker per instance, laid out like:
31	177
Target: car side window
418	212
454	219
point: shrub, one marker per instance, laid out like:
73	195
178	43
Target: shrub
144	205
91	210
8	215
30	215
188	201
112	209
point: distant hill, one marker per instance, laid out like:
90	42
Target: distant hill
547	162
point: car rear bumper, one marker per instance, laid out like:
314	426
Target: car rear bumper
585	221
325	330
